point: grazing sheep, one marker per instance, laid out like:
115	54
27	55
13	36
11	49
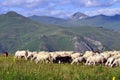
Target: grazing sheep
78	60
75	55
88	53
20	54
30	54
34	56
111	59
43	58
62	53
62	59
116	62
106	55
93	60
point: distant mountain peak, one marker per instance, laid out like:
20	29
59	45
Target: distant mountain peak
12	14
79	15
102	15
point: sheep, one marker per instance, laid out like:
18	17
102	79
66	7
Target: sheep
53	56
75	55
95	59
62	53
111	59
88	53
78	60
88	60
106	55
20	54
60	56
43	58
30	54
34	56
62	59
116	62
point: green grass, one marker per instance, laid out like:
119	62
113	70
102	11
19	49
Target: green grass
11	69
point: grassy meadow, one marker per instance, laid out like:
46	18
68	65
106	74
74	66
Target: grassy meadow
20	69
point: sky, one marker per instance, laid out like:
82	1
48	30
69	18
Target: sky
60	8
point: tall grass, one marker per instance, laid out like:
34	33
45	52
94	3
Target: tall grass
21	69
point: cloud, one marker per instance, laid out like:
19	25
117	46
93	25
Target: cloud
25	3
106	11
85	3
47	3
95	3
57	8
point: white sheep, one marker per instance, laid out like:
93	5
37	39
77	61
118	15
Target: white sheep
111	59
93	60
34	56
43	58
78	60
106	55
75	55
30	54
88	53
116	62
20	54
61	53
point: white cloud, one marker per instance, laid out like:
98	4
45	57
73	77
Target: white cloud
58	8
94	3
106	11
25	3
87	3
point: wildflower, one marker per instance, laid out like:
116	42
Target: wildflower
113	78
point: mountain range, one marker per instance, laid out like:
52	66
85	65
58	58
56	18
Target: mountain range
18	32
80	19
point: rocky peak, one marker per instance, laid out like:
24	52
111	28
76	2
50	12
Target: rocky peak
78	15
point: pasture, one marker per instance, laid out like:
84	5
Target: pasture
20	69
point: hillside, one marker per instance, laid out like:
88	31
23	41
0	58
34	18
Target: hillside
19	32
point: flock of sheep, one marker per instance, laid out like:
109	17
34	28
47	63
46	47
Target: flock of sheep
108	58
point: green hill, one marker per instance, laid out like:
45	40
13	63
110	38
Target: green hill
19	32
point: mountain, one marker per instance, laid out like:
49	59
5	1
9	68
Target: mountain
71	22
109	22
78	16
80	19
18	32
21	33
